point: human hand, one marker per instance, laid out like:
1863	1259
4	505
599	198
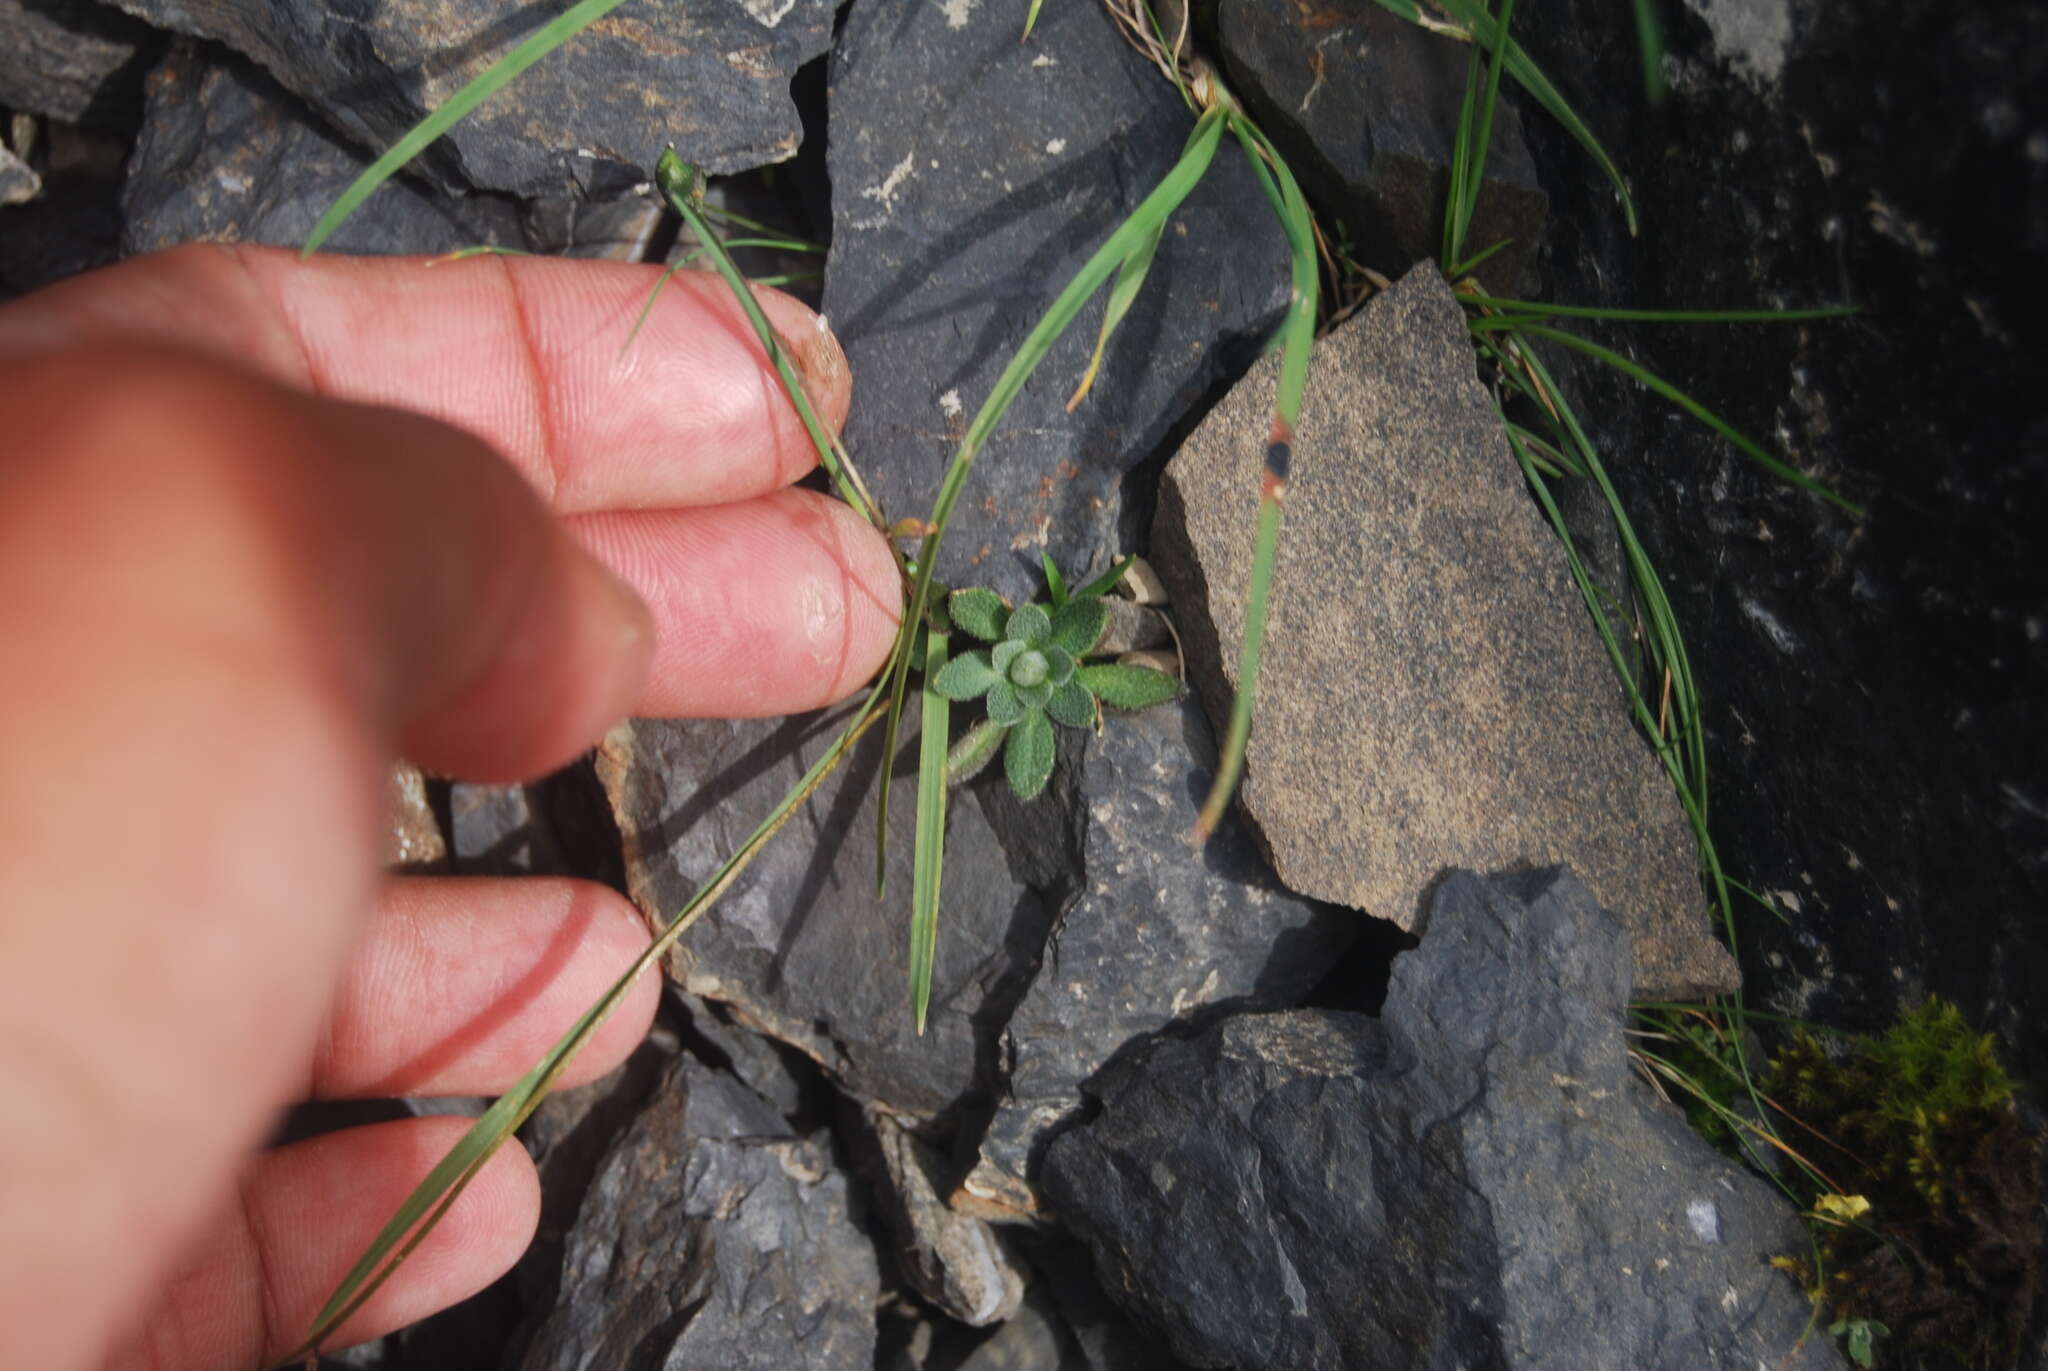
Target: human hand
230	592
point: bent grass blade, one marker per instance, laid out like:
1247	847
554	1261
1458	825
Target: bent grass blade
1536	311
1474	141
433	1197
1297	341
1473	23
681	186
1637	372
494	78
1142	223
1130	277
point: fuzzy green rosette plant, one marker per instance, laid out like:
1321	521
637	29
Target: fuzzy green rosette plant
1035	673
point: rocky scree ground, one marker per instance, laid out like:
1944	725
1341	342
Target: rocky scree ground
786	1175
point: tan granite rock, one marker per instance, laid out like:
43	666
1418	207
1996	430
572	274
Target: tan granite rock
1433	695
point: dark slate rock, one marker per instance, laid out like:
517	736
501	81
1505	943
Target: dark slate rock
228	156
711	78
74	223
971	176
1476	1180
1156	933
73	60
1876	726
801	948
497	833
1435	694
711	1238
779	1075
1103	1337
957	1262
1364	106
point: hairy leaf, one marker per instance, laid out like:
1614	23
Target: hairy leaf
1028	623
1077	625
965	677
1027	758
976	746
1127	687
1073	706
1003	705
980	612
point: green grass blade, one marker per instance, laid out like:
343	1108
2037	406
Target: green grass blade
1637	372
1465	191
935	724
539	44
1473	23
680	183
1106	582
1298	330
1142	222
1130	278
1230	761
1461	157
1459	270
782	237
1650	42
1536	309
1297	341
1031	20
434	1195
1055	584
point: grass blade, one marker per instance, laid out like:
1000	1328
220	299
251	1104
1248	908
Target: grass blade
1106	582
1650	40
1536	310
1055	584
1636	371
1461	154
682	187
1142	222
1472	22
1130	277
934	725
1297	341
1031	20
539	44
433	1197
1468	175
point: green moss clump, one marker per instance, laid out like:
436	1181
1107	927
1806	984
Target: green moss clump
1920	1122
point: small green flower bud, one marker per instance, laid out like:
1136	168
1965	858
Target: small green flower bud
1029	669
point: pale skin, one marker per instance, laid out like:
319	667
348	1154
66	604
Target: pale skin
265	525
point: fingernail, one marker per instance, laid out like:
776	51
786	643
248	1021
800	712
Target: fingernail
820	364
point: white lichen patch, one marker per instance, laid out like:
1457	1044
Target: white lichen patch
1055	146
1045	59
1888	220
957	12
949	404
1752	36
768	13
1773	628
885	194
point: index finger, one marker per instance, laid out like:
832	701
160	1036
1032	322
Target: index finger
529	354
